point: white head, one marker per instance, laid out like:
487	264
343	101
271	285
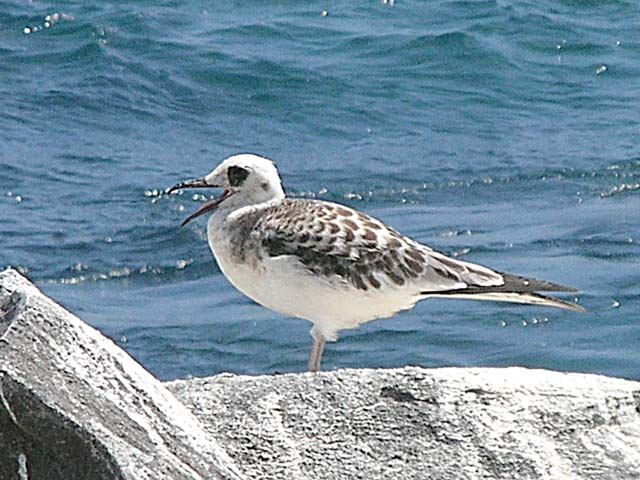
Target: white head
247	179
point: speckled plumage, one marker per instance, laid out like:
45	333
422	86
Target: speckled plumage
330	264
348	246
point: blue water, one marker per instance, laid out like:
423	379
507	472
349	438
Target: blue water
503	132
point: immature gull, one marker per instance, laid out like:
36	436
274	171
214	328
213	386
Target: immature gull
330	264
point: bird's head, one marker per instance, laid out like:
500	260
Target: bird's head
246	179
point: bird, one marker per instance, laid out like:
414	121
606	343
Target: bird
330	264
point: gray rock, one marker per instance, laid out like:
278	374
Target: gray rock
75	406
413	423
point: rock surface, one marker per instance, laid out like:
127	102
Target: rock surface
73	405
414	423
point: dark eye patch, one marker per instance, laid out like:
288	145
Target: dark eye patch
237	175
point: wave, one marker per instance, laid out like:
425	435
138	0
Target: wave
144	272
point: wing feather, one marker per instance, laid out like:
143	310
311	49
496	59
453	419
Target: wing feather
345	245
334	240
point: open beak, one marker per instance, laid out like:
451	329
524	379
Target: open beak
207	207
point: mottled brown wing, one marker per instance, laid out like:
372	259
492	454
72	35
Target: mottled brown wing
333	240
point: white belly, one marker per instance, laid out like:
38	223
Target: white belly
285	286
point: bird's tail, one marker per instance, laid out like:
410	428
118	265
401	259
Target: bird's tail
515	289
515	297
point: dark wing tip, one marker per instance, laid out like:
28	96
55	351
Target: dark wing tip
516	283
512	284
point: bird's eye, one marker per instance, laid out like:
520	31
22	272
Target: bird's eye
237	175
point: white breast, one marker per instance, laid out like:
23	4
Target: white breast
284	285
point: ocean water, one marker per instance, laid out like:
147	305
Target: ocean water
502	132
